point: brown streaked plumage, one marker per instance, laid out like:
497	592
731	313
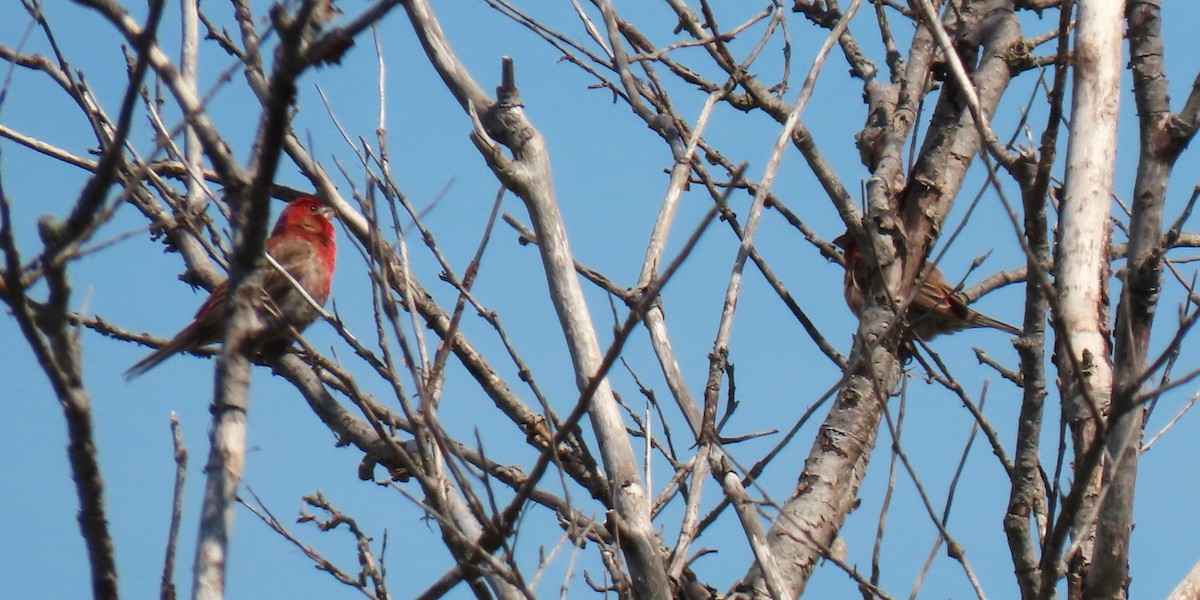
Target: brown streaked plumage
935	309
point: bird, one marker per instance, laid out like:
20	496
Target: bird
302	242
936	307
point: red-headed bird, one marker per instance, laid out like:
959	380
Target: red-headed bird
302	243
935	309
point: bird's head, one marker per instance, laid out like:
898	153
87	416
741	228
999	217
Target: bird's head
849	247
306	214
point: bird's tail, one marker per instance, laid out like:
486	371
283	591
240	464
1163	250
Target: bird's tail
982	320
178	344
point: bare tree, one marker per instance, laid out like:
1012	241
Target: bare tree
630	492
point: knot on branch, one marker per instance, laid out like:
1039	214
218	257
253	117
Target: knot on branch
1020	58
507	95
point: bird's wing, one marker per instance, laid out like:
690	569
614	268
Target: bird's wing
938	298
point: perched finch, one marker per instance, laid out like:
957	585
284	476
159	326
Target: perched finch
302	243
935	309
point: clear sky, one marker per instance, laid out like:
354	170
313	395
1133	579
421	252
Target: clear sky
609	176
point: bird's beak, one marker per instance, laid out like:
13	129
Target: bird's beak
327	212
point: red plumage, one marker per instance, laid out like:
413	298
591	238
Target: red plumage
935	309
303	244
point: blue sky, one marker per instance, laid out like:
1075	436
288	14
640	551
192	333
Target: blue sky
609	175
